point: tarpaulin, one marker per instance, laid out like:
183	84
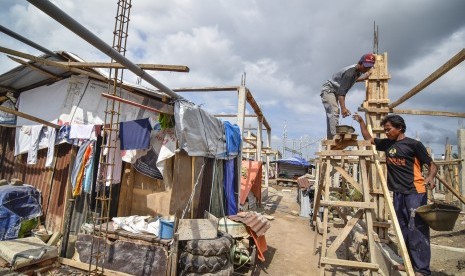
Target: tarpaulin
17	203
294	161
229	184
251	180
199	133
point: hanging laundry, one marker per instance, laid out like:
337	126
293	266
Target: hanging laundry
112	175
78	167
233	139
89	170
77	188
81	131
135	134
63	134
167	149
41	135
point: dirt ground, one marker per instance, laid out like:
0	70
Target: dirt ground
291	240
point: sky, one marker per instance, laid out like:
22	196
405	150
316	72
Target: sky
285	49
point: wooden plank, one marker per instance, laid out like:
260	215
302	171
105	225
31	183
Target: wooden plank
451	189
29	117
36	68
52	63
451	63
207	89
167	109
234	115
116	65
414	112
368	213
352	204
345	153
352	264
351	143
345	232
85	267
348	178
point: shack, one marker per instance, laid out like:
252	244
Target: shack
60	141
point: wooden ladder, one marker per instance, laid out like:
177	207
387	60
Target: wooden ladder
335	159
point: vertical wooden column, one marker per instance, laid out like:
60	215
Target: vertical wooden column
259	138
461	152
241	102
377	97
267	157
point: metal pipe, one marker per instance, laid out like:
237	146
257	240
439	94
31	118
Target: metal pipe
21	38
67	21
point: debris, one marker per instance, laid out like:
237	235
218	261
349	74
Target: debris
286	190
295	213
268	217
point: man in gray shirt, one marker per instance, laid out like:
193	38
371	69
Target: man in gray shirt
333	91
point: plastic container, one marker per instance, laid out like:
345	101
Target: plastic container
166	229
439	216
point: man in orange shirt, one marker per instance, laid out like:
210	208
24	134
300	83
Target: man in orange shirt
404	160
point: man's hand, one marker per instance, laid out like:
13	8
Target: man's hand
345	112
429	182
357	117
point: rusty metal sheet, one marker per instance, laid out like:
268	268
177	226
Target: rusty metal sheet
255	221
51	182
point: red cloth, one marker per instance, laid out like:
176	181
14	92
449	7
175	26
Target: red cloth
252	181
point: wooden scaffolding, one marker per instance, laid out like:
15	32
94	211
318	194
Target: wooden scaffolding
358	168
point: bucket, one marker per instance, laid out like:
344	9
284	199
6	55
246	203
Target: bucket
166	229
344	129
439	216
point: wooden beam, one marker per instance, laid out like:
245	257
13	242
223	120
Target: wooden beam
85	267
36	68
352	204
51	63
168	110
348	178
256	108
345	232
451	189
207	89
116	65
345	153
233	115
451	63
7	88
29	117
353	264
413	112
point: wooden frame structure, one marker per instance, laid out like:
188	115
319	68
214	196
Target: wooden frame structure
372	176
252	143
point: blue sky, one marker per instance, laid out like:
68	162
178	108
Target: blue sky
286	48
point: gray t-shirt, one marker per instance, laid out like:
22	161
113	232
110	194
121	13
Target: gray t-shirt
342	81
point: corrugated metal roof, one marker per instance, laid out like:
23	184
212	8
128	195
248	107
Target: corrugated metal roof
257	223
23	78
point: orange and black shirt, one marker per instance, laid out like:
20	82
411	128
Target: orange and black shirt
404	160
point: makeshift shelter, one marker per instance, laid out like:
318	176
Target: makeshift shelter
176	170
292	168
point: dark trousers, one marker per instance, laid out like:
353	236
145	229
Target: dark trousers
414	229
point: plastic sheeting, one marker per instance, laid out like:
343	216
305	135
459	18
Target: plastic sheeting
230	181
17	203
294	161
199	133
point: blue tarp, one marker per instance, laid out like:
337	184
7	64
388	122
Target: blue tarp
17	203
294	161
